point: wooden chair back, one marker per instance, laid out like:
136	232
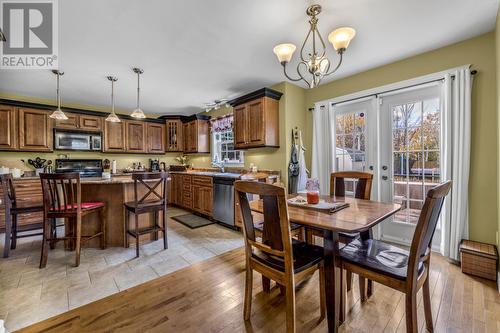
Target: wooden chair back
8	190
426	226
276	239
363	183
156	191
62	193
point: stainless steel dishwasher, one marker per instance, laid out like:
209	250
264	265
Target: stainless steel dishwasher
224	200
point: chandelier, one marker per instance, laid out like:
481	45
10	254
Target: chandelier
112	117
317	64
217	104
58	113
138	113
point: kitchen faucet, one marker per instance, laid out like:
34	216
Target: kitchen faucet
220	165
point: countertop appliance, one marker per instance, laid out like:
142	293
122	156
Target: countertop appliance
73	140
154	165
86	167
223	204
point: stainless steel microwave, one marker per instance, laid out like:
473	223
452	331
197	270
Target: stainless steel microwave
72	140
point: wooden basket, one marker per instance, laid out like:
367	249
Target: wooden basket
479	259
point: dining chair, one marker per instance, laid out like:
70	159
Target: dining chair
361	188
12	211
154	201
62	198
277	255
406	271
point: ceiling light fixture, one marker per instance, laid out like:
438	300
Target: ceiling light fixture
217	104
112	116
318	65
2	36
138	113
58	113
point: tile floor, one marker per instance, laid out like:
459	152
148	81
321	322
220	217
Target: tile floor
29	294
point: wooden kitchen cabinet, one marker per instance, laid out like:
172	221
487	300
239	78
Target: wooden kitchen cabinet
80	122
256	119
202	192
174	135
8	128
35	130
135	136
155	138
114	137
70	123
196	135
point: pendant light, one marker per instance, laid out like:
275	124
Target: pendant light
112	116
138	113
58	113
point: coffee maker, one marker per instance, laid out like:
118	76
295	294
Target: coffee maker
154	165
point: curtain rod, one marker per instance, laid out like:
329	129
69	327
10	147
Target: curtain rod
473	72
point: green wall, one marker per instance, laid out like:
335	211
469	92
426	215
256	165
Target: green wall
497	60
480	52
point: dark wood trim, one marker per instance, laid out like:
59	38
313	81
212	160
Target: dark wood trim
73	110
264	92
187	119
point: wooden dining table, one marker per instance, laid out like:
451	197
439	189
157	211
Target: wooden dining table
360	216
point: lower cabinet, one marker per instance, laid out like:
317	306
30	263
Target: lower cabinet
192	192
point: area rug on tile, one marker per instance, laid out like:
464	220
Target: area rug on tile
192	221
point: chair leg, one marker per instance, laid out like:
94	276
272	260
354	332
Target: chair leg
362	288
53	234
247	309
290	304
126	228
369	289
8	233
13	244
411	313
309	237
154	224
78	244
427	305
165	242
266	284
136	217
343	292
322	294
43	255
348	277
102	217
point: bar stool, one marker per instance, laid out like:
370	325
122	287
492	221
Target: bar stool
62	195
151	202
12	210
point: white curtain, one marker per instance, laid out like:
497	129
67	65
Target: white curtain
323	146
456	129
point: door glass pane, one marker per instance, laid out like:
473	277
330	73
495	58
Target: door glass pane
416	155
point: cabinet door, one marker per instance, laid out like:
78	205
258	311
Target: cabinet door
207	200
256	129
197	198
8	130
135	136
35	130
114	136
90	123
174	136
185	137
240	126
156	138
193	137
70	123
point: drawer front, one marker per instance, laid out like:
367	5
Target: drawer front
187	200
202	181
186	179
186	188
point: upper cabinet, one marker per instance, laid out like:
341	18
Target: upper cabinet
8	128
155	138
35	130
80	122
256	119
135	136
114	136
174	135
196	135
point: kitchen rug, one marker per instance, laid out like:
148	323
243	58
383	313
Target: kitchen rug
192	221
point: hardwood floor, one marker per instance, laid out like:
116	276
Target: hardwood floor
208	297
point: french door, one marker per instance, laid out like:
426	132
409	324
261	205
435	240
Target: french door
397	137
410	157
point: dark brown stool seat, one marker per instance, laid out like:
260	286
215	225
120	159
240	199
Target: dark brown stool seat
378	256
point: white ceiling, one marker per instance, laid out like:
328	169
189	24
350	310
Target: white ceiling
195	51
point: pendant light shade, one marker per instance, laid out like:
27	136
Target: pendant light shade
112	116
138	113
58	114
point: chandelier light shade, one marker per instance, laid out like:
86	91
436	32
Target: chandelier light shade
58	114
138	113
112	116
316	65
341	37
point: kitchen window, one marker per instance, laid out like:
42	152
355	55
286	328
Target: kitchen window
223	142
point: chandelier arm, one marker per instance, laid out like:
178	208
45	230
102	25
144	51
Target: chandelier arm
303	46
323	44
338	65
302	76
291	78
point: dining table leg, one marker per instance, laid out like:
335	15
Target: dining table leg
333	280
